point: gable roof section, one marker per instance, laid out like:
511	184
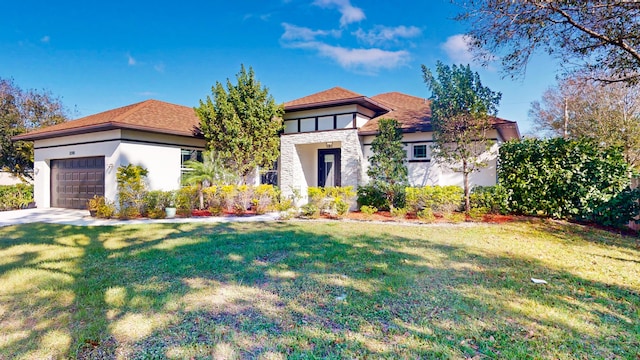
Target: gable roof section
334	97
414	115
150	115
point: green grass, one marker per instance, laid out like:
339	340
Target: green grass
318	290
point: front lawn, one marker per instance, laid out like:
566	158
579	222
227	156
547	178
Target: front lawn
318	290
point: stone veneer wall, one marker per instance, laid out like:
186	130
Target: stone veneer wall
291	172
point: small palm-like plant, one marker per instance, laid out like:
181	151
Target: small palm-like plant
211	170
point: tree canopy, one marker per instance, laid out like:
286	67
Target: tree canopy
242	123
20	111
460	114
588	34
579	107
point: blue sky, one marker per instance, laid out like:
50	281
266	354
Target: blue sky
102	55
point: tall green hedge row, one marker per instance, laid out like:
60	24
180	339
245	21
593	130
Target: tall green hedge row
14	197
568	179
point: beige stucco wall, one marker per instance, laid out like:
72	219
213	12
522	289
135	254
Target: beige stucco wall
432	173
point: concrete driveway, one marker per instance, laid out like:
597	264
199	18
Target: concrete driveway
82	218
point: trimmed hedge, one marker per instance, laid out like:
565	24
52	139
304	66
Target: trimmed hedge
13	197
439	199
568	179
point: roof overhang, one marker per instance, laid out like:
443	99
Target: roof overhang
100	127
364	101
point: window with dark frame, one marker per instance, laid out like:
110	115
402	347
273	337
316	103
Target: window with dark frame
420	152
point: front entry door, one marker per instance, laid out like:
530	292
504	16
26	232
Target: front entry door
328	167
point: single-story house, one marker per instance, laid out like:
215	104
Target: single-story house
326	142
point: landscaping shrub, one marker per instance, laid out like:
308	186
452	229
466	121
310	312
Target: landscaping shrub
13	197
426	215
264	198
368	210
569	179
376	195
492	199
440	199
186	199
131	189
334	200
155	203
105	209
399	213
227	197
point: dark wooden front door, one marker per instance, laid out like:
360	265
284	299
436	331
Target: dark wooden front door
328	167
74	181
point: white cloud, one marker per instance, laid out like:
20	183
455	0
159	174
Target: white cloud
384	34
293	32
45	39
368	60
130	60
350	13
458	49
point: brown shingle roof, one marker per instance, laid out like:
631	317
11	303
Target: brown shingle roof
333	97
150	115
414	114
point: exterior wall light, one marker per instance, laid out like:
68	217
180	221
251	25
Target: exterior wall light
329	144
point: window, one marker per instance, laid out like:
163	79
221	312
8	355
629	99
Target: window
421	152
270	176
186	155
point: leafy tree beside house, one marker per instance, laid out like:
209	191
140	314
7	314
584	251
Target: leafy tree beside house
21	111
461	111
387	166
242	123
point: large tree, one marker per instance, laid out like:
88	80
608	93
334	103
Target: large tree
587	34
387	166
21	111
461	110
242	123
579	107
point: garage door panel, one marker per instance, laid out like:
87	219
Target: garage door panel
74	181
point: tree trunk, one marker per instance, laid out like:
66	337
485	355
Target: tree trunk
465	177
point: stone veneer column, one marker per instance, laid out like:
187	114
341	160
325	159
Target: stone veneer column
291	173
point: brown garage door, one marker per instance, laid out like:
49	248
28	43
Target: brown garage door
74	181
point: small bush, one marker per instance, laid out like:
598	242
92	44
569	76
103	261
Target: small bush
426	215
341	206
310	210
375	195
368	210
154	204
13	197
455	217
186	199
478	213
264	198
440	199
493	199
131	180
106	209
372	196
399	213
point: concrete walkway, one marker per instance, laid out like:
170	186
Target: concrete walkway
82	218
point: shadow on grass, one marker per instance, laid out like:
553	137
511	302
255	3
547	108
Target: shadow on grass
300	290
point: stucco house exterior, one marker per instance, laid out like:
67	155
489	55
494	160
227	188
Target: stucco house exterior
326	142
76	160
